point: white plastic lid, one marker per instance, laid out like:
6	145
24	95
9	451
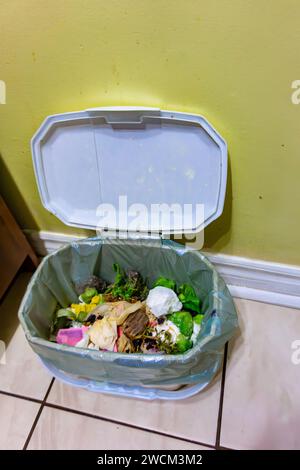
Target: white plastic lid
152	157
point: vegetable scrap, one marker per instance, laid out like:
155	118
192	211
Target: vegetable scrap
127	317
128	286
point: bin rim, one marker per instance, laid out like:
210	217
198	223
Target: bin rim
134	358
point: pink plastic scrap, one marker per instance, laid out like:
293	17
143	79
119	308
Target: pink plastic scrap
70	336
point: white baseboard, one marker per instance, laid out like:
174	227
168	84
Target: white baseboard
44	243
246	278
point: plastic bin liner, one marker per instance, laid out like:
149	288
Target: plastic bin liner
54	282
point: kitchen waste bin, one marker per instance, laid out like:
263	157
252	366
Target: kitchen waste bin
88	159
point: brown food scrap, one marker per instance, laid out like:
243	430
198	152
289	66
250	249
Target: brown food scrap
124	344
117	311
93	281
135	323
152	318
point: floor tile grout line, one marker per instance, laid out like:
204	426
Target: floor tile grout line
49	390
220	413
34	424
33	427
225	448
21	397
126	424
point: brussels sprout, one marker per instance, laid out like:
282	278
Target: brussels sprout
88	294
184	321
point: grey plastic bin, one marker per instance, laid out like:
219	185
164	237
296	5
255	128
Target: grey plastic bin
54	282
155	158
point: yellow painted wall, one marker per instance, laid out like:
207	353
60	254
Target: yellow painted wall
231	60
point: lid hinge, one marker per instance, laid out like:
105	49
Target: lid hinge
123	234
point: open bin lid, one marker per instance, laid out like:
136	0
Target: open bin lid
152	157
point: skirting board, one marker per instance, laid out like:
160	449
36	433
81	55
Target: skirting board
246	278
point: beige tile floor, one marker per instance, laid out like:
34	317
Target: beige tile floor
261	403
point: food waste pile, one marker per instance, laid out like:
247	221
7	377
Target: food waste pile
128	317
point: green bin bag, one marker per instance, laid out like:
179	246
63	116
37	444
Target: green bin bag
54	282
